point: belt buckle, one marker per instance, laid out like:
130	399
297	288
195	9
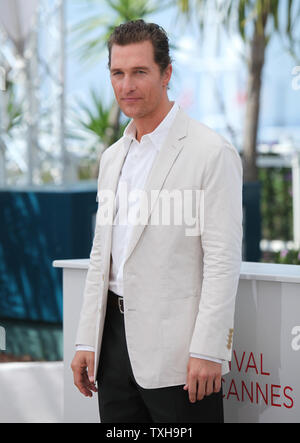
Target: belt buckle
121	304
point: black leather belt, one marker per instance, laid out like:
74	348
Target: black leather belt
116	300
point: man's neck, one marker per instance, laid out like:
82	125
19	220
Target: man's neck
150	123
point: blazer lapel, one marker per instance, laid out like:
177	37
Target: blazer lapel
110	183
159	172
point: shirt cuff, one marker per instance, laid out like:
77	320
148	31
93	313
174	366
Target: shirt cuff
85	348
205	357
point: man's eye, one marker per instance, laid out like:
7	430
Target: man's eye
141	72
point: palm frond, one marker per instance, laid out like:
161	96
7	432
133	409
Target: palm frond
91	33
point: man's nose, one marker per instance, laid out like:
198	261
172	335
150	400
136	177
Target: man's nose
128	85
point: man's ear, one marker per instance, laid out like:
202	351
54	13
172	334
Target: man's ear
167	75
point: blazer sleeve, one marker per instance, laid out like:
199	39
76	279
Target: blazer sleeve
222	253
86	331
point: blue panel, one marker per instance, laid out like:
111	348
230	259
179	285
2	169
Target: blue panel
252	221
37	227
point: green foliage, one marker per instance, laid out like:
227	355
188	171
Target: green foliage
276	203
284	257
241	15
277	213
97	119
288	257
92	32
13	108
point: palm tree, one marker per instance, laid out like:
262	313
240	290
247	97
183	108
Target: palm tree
256	21
93	31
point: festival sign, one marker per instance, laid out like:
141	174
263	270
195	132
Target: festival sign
264	382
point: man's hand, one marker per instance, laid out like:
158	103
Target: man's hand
203	378
83	372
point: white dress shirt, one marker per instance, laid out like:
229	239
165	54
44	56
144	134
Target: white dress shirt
138	162
135	171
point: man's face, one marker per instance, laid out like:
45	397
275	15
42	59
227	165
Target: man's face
138	84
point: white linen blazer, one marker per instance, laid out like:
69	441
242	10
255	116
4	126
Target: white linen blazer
179	288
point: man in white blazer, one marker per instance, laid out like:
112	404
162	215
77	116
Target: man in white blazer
156	324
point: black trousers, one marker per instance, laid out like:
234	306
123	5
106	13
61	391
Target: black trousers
122	400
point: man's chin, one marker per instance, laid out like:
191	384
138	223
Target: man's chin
127	112
131	110
130	113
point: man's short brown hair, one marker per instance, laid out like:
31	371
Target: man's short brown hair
139	31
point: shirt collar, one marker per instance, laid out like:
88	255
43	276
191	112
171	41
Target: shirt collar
157	136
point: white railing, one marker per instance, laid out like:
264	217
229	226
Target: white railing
263	385
31	392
